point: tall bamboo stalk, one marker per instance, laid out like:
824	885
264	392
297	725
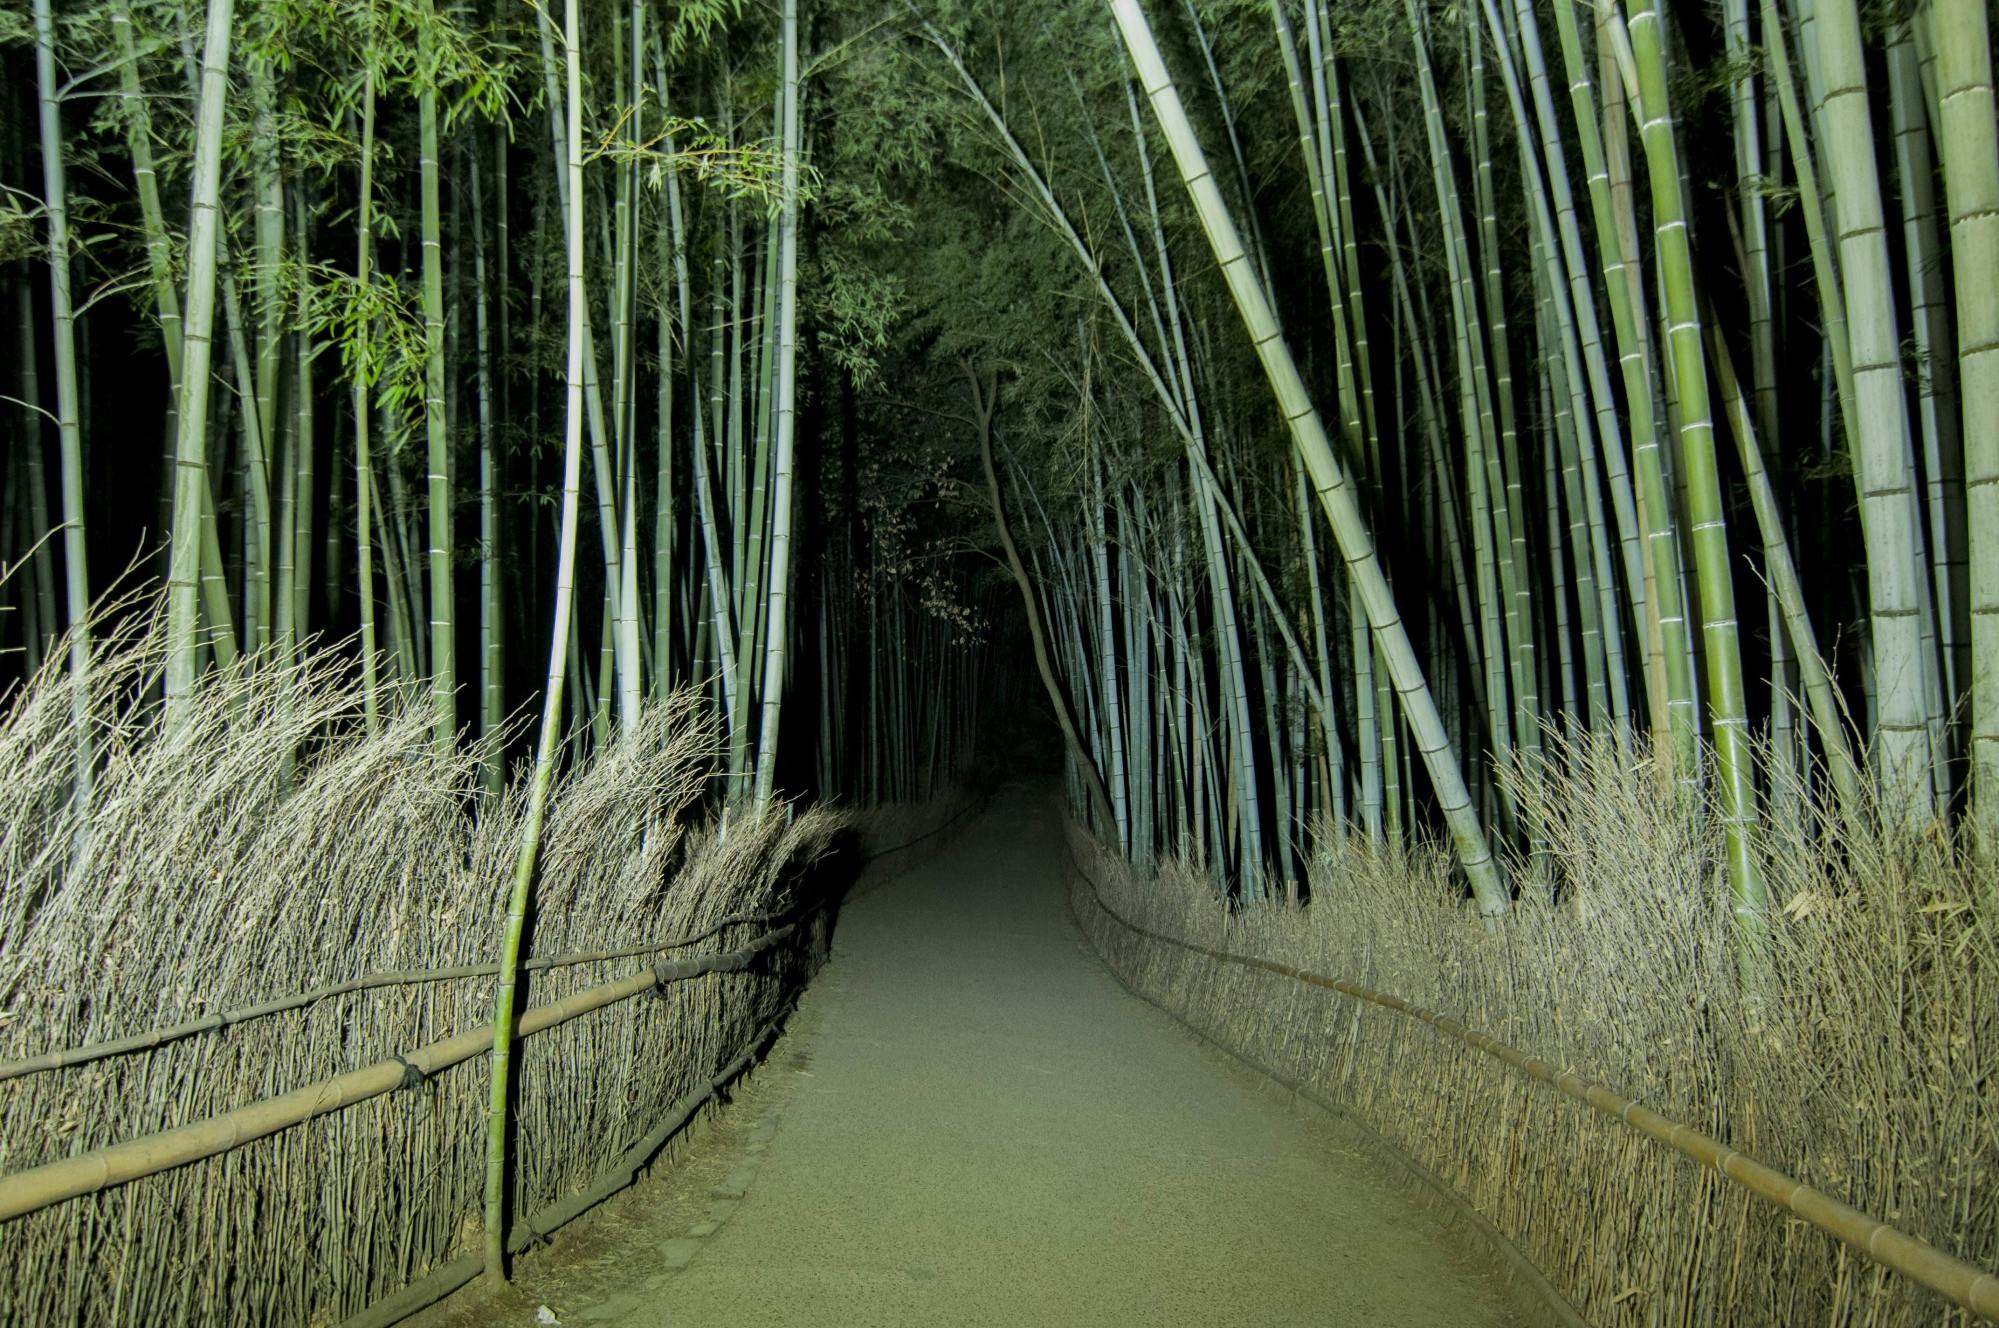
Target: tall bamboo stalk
548	745
197	328
1328	475
69	428
777	593
1969	148
437	438
1884	463
1728	707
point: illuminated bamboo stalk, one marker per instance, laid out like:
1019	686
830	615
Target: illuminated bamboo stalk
778	592
437	441
1328	475
69	428
1652	582
1734	758
1968	146
525	863
1884	467
198	320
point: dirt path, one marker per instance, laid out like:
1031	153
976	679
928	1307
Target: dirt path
976	1124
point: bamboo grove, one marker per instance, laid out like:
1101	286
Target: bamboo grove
1627	378
345	268
1341	411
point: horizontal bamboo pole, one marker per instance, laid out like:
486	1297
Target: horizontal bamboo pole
210	1023
1964	1284
38	1187
89	1052
447	1278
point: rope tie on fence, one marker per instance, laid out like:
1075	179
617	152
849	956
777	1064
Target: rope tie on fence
412	1076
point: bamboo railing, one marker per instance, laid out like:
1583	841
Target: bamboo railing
85	1053
65	1057
1964	1284
38	1187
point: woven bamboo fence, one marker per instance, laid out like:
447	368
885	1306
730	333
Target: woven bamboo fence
1854	1097
274	899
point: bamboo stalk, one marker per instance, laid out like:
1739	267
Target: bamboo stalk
1328	475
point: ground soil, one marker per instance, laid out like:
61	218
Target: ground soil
970	1122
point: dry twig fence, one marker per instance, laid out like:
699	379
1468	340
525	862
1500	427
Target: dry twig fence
38	1187
1962	1283
796	932
85	1054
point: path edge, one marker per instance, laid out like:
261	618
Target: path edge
1528	1287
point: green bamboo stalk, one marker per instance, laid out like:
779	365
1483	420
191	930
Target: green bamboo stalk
1735	760
40	636
1328	475
198	320
363	407
1941	502
1884	466
437	439
778	592
1652	580
1968	146
492	633
1787	589
546	748
69	429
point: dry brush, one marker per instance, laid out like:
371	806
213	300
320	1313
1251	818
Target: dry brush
274	845
1867	1065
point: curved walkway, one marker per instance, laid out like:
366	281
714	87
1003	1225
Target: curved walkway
989	1130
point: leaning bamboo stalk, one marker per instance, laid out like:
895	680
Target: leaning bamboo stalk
1329	477
1781	569
101	1168
519	897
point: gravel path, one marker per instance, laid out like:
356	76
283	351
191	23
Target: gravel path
983	1127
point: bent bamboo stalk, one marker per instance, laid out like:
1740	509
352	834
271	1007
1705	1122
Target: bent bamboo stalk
1965	1284
101	1168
